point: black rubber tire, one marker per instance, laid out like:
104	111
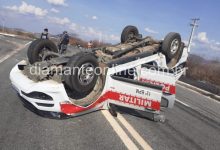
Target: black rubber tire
127	31
76	61
167	43
172	62
31	46
67	78
36	47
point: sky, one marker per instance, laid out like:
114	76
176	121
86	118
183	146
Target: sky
105	19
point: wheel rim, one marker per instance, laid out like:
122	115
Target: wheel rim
42	54
131	35
174	46
86	74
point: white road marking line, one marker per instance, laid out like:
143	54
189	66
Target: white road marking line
197	109
8	55
11	54
134	133
12	35
27	43
199	93
189	85
120	132
183	103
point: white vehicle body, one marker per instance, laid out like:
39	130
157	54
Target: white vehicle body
153	87
120	92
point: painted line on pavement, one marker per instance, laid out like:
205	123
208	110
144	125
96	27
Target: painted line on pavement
120	132
11	53
27	43
194	87
199	93
134	133
182	103
6	34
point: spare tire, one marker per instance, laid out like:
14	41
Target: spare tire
171	45
128	33
37	47
83	76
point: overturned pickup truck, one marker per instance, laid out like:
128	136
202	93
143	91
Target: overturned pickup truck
138	73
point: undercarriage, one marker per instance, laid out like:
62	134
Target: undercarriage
138	73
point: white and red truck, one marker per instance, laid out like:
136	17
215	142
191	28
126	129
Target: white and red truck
138	73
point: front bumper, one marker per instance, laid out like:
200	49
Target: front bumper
44	96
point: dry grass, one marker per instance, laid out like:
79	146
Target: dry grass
203	70
25	35
83	43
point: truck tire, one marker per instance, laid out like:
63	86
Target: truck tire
171	45
37	47
129	32
83	77
31	46
172	62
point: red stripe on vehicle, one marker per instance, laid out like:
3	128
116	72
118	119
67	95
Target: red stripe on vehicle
124	98
167	88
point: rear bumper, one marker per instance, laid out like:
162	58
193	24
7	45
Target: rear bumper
44	96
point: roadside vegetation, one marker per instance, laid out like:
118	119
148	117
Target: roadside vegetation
19	32
83	43
203	70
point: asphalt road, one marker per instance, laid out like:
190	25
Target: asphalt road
194	122
5	46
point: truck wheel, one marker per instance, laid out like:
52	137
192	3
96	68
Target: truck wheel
171	45
32	45
172	62
129	32
83	75
38	47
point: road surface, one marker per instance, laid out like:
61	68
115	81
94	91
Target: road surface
194	122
